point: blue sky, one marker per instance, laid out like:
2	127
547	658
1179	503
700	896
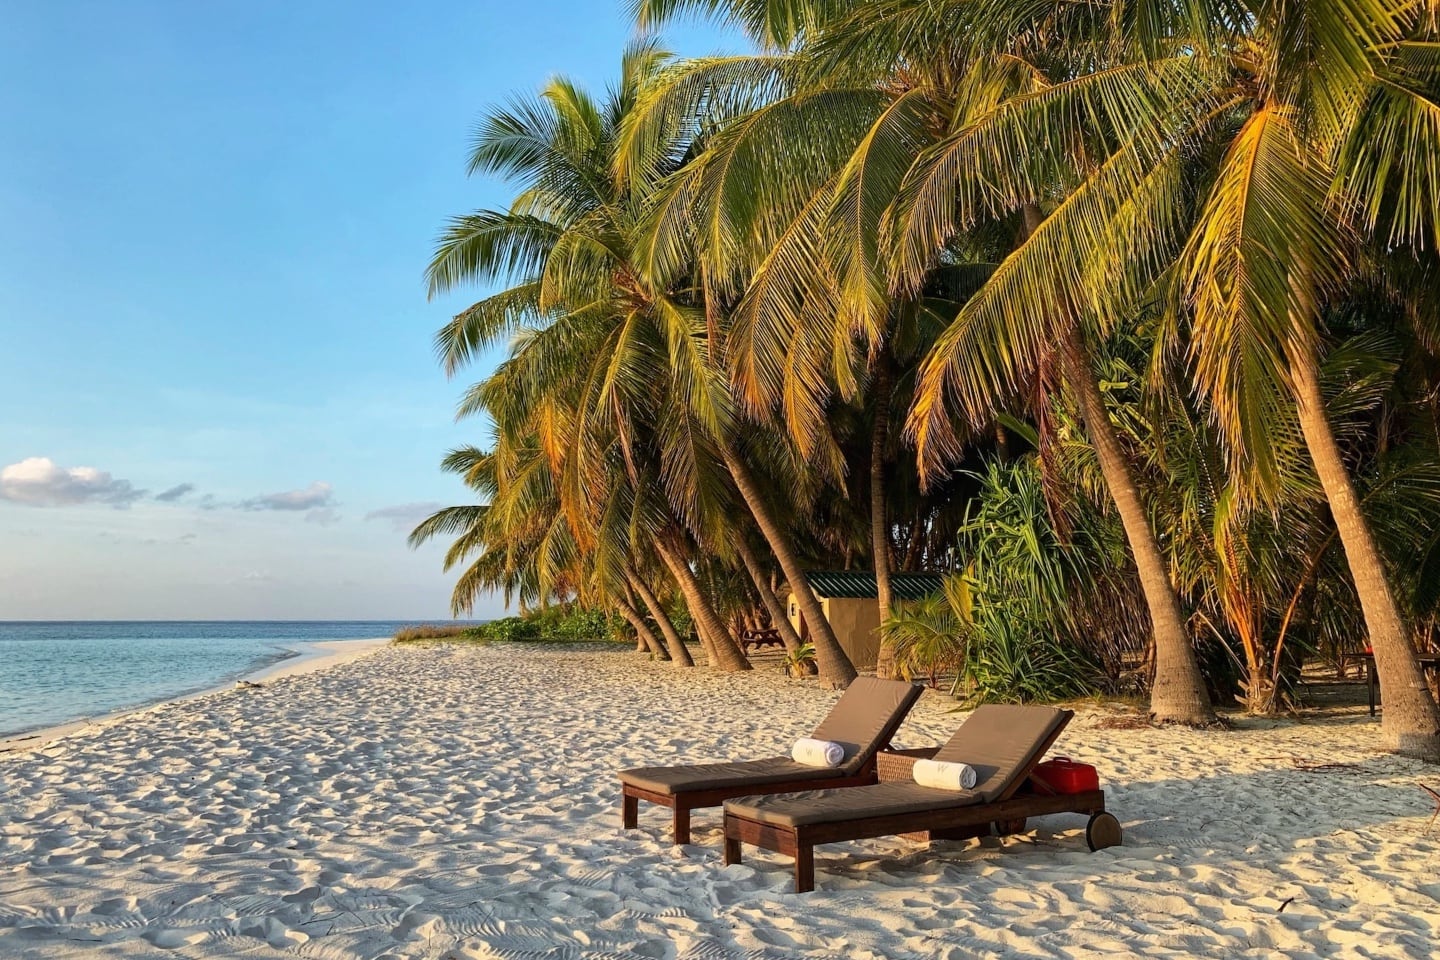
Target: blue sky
215	348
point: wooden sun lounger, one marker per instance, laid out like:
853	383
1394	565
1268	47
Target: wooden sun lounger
1003	743
863	720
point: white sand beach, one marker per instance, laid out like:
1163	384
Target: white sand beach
461	802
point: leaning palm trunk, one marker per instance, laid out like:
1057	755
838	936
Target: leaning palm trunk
725	654
885	665
1178	694
772	603
648	640
1411	723
834	665
679	654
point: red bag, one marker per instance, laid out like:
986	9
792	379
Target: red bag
1064	775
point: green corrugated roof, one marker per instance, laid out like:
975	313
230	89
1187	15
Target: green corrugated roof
859	584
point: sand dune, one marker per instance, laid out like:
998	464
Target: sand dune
460	802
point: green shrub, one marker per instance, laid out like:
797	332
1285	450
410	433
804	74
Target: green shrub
1004	627
1022	582
561	623
1009	660
508	630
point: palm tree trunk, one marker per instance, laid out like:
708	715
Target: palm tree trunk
725	654
916	549
679	654
707	641
698	625
879	524
648	640
835	666
1411	722
1178	695
772	603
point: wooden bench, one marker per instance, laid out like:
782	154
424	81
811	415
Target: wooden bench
1428	661
751	639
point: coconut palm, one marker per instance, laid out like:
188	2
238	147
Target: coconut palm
587	371
879	107
963	224
1342	140
638	351
1305	126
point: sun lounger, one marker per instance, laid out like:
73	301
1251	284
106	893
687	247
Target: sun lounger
863	721
1002	743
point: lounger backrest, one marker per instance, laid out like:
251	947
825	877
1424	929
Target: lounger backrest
865	718
1003	742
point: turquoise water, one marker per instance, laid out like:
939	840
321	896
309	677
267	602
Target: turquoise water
53	673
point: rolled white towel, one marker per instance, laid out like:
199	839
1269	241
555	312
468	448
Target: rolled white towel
940	775
818	753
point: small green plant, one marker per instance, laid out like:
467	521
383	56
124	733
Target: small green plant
801	661
929	635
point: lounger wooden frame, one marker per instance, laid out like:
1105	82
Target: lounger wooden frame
1024	799
892	702
681	803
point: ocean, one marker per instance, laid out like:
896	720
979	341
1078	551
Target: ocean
56	672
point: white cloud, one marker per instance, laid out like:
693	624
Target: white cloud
404	516
313	497
40	482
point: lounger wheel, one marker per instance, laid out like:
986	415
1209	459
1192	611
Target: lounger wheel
1005	828
1102	831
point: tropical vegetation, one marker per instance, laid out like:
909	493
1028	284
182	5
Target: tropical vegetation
553	623
1124	315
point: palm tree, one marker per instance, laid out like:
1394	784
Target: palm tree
730	281
1304	126
649	399
1342	139
674	643
879	117
798	335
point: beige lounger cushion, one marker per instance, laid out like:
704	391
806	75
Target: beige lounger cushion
862	721
865	717
715	776
998	740
851	803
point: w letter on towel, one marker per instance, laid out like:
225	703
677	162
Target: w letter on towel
940	775
818	753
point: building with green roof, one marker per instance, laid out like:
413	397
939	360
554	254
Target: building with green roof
848	599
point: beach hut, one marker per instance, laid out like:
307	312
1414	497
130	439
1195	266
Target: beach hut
848	599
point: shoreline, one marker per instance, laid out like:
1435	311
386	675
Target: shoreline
301	657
